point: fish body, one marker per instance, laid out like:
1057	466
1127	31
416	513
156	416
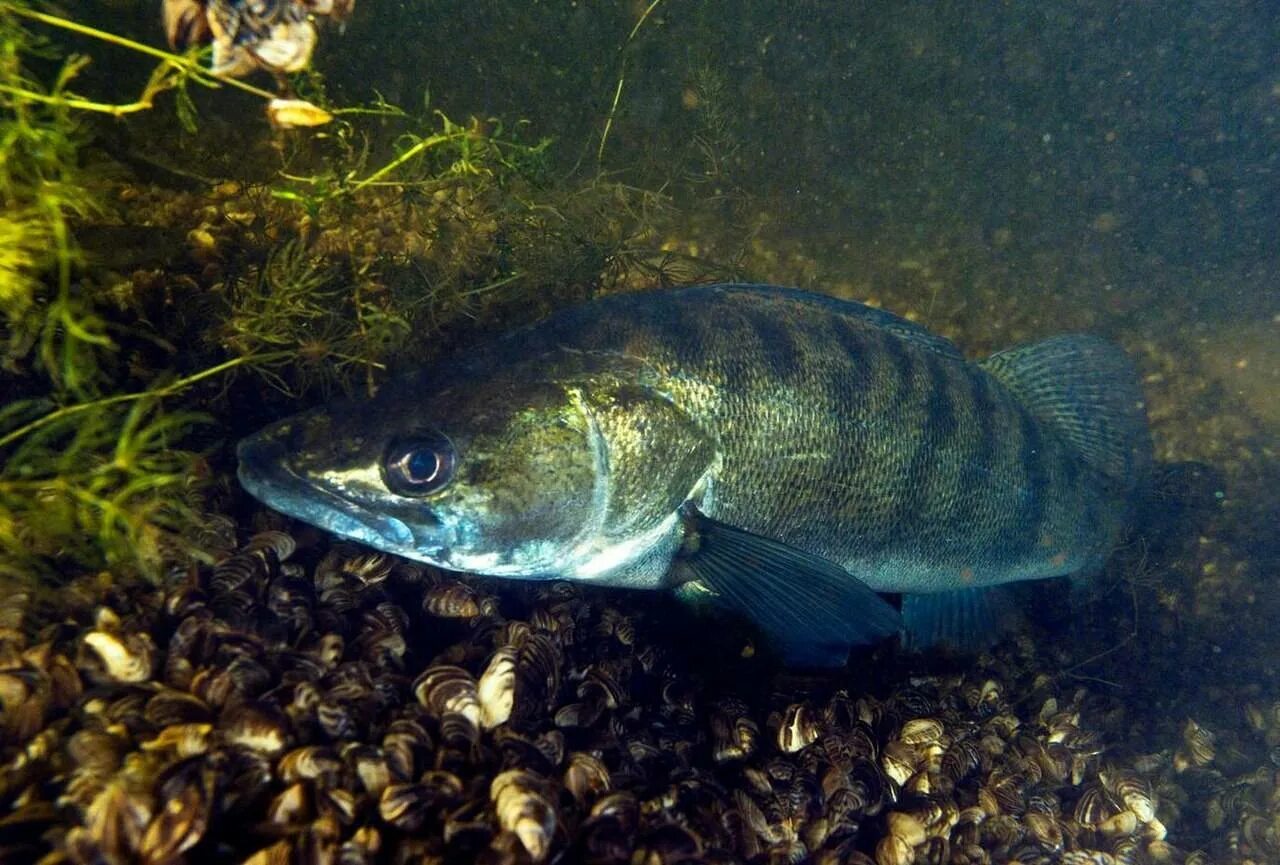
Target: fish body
790	454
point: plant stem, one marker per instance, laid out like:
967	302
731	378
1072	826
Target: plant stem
79	104
164	390
622	76
424	144
643	17
187	63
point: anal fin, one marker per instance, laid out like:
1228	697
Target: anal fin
967	620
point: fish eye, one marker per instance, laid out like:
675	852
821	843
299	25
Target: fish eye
420	464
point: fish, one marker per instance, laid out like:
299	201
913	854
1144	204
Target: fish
790	456
277	36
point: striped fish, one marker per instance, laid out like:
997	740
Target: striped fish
786	454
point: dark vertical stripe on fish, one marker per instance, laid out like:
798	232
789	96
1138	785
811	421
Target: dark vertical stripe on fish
979	460
903	363
945	424
1023	534
853	396
778	349
962	448
683	329
853	341
847	393
921	493
908	392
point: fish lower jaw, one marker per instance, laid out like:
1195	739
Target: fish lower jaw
534	560
390	535
289	495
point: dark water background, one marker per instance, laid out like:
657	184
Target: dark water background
1126	148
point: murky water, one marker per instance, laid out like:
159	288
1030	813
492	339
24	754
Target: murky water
213	682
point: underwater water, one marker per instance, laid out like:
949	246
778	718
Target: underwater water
188	675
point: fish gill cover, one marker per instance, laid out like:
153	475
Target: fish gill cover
312	197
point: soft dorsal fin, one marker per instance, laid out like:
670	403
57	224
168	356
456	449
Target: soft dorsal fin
1087	389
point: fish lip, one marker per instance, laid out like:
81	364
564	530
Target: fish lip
265	473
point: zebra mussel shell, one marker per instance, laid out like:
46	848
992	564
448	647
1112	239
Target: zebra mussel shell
450	694
125	658
523	810
496	690
331	714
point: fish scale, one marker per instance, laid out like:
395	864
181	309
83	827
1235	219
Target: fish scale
883	426
786	453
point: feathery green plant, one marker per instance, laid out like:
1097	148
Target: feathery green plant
293	323
97	488
104	483
41	192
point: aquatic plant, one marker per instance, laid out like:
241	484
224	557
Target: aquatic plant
97	488
91	487
624	56
424	160
41	191
90	475
293	323
479	226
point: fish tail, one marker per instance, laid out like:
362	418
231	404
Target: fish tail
1087	389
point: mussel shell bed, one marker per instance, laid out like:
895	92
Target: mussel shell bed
328	705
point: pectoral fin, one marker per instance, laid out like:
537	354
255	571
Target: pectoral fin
964	619
811	608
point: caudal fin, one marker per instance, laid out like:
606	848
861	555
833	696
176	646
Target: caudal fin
1088	390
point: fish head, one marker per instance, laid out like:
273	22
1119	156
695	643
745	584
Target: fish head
499	477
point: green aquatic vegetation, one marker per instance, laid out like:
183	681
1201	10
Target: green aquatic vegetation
292	321
50	318
104	482
271	306
41	192
174	72
624	55
24	237
478	151
99	484
97	488
715	141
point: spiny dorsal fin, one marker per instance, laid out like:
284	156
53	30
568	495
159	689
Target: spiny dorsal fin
1087	389
874	316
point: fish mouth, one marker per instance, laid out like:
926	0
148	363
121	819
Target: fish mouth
266	474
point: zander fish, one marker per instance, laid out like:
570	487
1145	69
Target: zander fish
788	454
